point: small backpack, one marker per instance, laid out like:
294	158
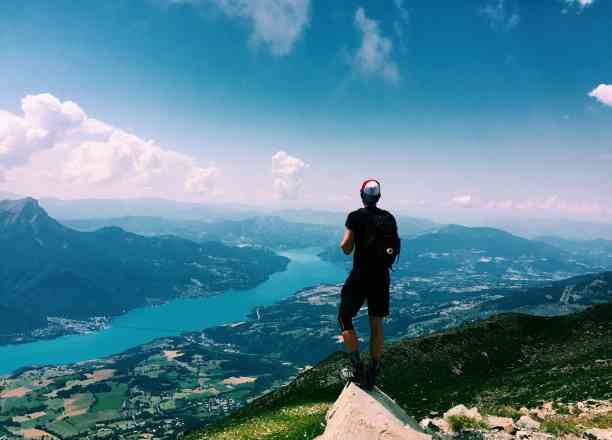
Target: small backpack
382	240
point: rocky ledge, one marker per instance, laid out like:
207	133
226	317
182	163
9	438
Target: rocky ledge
361	415
591	419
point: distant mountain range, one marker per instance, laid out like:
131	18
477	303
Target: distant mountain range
568	229
410	226
111	209
486	240
558	297
79	209
282	231
150	216
144	207
48	269
597	252
269	231
480	249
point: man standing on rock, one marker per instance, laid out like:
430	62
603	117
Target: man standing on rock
372	232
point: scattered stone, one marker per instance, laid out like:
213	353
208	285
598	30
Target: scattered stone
544	412
530	435
528	424
441	425
594	407
502	435
461	410
468	434
524	411
501	423
541	436
598	434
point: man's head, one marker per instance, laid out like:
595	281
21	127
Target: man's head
370	192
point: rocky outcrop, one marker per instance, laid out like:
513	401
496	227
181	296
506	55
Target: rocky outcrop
361	415
569	422
462	411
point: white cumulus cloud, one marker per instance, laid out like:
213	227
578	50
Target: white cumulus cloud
287	172
603	93
45	121
374	55
59	142
201	180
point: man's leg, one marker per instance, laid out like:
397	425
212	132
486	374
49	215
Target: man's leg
349	337
351	301
376	338
378	307
376	348
351	342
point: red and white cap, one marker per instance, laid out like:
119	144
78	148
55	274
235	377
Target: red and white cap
370	191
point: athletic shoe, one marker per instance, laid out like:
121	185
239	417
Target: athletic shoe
355	374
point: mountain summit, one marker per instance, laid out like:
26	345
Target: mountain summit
24	215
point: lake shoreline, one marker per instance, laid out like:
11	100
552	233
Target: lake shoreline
173	317
55	332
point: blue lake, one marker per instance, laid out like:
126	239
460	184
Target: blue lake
144	324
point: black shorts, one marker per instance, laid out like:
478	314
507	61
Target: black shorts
361	286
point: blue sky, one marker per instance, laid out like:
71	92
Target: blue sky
462	109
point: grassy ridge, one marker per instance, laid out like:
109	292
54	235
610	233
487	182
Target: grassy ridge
510	359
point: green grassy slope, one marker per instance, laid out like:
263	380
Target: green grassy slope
509	359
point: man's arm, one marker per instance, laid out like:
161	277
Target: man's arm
348	241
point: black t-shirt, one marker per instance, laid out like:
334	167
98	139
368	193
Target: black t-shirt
358	222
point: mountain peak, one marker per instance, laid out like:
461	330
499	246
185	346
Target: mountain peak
21	212
18	204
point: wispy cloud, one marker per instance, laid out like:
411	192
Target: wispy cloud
464	201
276	24
374	55
287	172
548	205
58	143
603	93
553	203
402	22
500	16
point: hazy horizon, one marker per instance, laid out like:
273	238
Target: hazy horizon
467	113
110	208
